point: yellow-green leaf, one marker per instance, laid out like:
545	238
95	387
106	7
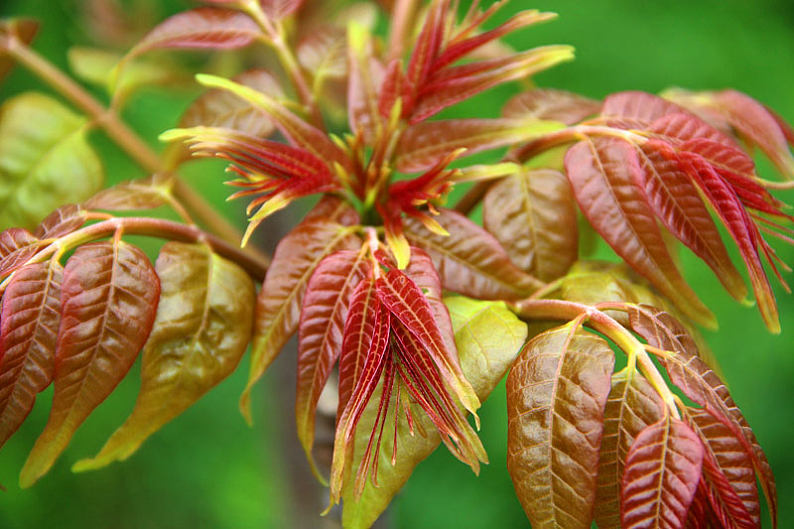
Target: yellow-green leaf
488	337
201	331
45	160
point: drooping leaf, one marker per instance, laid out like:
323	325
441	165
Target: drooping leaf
488	338
200	28
424	144
742	229
632	406
603	174
109	298
551	105
28	331
756	124
21	29
139	194
727	471
661	475
220	108
322	321
406	301
45	161
470	260
279	302
201	331
556	393
676	202
532	215
703	386
62	221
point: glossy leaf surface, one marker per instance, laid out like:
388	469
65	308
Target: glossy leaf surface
279	302
556	393
661	475
488	338
533	217
320	336
632	406
109	299
203	326
28	332
470	260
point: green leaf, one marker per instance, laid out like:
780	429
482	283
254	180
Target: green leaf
97	66
201	331
556	394
109	297
488	337
29	329
45	160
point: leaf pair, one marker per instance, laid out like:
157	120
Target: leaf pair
82	326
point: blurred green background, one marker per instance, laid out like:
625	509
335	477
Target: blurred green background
208	470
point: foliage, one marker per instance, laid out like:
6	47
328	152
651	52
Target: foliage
404	307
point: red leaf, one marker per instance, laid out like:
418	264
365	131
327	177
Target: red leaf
661	477
556	392
550	104
62	221
727	472
407	303
109	298
423	273
17	246
703	386
758	125
457	83
681	126
278	9
280	300
425	144
469	260
603	174
360	327
532	214
632	406
742	229
31	316
203	27
427	47
676	202
636	109
320	336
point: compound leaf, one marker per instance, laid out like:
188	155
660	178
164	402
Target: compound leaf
201	331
